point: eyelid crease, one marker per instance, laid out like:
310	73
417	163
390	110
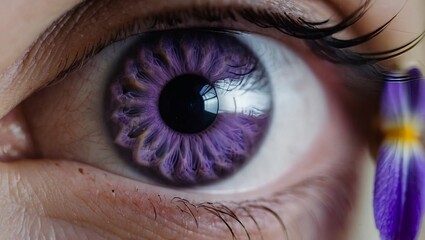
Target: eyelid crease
221	208
74	30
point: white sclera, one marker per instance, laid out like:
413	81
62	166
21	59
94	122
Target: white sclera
299	114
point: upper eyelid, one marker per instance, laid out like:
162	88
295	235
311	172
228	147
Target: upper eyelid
70	42
70	29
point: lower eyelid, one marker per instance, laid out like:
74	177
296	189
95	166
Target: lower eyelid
145	213
99	193
117	207
124	206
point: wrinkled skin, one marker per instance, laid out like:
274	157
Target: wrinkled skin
64	199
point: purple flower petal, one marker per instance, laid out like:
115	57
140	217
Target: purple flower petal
396	106
414	196
400	175
401	99
415	73
388	188
399	196
416	91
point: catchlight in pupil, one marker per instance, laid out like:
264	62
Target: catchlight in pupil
188	104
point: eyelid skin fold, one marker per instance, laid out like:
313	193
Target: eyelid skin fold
161	214
109	200
97	199
79	38
42	13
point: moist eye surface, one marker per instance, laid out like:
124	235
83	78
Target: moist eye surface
188	106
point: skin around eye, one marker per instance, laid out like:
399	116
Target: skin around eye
299	115
100	205
74	130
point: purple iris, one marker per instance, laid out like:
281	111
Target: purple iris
180	105
400	176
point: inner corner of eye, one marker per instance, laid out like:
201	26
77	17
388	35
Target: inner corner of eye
188	107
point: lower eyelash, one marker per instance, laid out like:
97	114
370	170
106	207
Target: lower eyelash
223	211
244	219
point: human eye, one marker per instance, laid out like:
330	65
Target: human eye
116	63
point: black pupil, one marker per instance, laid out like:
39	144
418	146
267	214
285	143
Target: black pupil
188	104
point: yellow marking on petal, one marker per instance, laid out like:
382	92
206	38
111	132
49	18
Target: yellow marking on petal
407	133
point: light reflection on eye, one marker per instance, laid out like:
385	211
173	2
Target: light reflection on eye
67	121
192	147
158	105
68	118
298	176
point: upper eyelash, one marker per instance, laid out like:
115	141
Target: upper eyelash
321	39
319	35
322	36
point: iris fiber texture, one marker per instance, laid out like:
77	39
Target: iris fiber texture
172	151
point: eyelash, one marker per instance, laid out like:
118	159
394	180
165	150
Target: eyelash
222	210
317	35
